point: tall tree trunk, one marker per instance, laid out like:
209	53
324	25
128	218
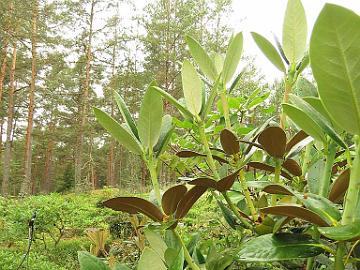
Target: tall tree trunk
26	184
111	156
2	77
45	185
80	183
9	126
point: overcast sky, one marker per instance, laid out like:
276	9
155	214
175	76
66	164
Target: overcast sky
266	16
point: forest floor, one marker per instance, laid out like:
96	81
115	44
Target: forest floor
62	221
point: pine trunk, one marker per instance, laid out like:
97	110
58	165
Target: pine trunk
26	184
9	126
45	185
81	183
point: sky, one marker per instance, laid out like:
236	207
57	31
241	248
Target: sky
266	17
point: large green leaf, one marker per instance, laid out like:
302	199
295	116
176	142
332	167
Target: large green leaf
232	58
294	31
150	260
269	50
156	242
165	134
279	247
174	258
320	205
126	114
118	132
305	122
178	105
149	123
318	118
206	65
335	61
90	262
342	232
192	87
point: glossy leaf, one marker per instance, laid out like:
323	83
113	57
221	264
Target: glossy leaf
173	101
118	132
304	121
201	57
318	118
279	247
273	140
334	54
150	260
340	186
171	198
228	215
292	166
192	87
269	51
188	201
341	232
229	142
150	117
232	58
126	114
134	205
294	31
295	212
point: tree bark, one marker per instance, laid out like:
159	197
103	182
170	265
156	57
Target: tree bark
45	185
81	183
2	77
26	184
9	126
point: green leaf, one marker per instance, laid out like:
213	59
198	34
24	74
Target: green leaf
173	101
90	262
279	247
156	242
150	260
334	54
317	117
192	87
202	58
165	134
118	132
303	88
269	50
342	232
120	266
126	114
305	122
151	113
294	31
232	58
174	259
320	205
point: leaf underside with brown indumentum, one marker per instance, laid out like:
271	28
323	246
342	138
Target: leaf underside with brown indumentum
229	142
340	186
222	185
267	168
273	140
298	137
292	166
188	201
134	205
277	189
295	212
171	198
